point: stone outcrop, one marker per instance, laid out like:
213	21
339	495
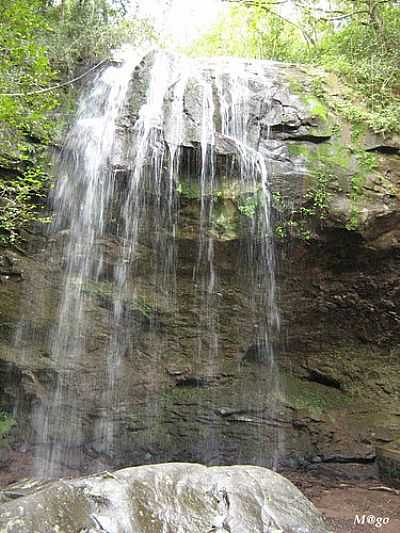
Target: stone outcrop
336	216
169	497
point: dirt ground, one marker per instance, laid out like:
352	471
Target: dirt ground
348	505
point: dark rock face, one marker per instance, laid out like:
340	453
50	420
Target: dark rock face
170	497
336	215
388	459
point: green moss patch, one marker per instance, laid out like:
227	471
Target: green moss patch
317	400
6	423
104	291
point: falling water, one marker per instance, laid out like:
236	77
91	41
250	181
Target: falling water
123	181
234	97
81	205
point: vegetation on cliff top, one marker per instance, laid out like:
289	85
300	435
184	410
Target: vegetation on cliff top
44	44
357	39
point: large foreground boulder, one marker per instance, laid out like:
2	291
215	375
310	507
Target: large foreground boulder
168	498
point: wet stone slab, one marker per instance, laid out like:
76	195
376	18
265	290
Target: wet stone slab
166	498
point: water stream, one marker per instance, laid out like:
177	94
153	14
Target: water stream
121	181
81	206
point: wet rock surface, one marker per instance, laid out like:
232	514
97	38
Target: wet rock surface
169	497
336	213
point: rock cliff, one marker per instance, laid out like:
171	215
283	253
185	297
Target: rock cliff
335	212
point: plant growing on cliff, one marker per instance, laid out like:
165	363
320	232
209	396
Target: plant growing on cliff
248	204
6	423
20	200
357	39
44	44
323	161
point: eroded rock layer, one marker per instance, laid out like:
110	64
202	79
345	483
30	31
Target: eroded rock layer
335	212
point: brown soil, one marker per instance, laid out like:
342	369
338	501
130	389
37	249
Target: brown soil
19	466
341	501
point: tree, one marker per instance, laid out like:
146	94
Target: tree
44	44
25	63
357	39
253	29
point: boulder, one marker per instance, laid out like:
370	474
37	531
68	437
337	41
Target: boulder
167	498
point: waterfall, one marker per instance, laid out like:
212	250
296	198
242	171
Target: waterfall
121	193
235	95
81	205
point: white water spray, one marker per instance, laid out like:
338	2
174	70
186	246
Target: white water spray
95	200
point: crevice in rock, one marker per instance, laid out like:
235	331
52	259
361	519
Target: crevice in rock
347	459
317	376
293	133
11	273
192	381
284	128
384	149
313	138
224	504
99	526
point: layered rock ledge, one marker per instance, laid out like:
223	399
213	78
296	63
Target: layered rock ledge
336	214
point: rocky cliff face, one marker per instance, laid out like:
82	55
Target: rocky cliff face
336	198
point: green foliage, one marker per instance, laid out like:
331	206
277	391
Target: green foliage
319	194
86	31
224	219
357	39
366	52
188	190
25	126
381	118
7	422
43	43
249	32
248	204
317	108
24	66
367	163
323	162
20	199
228	37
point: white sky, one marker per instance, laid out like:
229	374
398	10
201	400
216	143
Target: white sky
183	20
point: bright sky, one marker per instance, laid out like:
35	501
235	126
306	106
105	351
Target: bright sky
183	20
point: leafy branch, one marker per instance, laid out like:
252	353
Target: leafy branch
58	85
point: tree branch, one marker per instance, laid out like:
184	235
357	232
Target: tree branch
58	85
343	15
255	3
265	4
